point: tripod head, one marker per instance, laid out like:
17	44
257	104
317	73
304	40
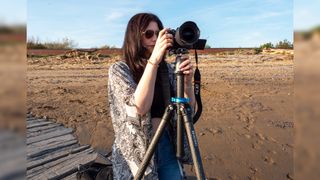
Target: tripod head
178	51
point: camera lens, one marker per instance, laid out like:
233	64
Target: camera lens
188	34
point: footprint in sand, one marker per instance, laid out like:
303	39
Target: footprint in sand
208	157
271	139
249	120
269	160
247	136
253	170
248	127
48	107
211	131
260	136
77	101
290	176
255	146
272	152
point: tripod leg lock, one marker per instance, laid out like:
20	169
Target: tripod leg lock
180	100
186	110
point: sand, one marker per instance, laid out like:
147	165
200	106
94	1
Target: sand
246	128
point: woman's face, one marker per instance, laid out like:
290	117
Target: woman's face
149	36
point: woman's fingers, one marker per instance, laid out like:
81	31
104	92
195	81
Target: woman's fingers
163	31
185	63
188	67
165	44
166	39
164	35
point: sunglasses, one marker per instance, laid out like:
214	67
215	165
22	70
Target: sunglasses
149	33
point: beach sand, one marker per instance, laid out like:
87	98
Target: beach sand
246	130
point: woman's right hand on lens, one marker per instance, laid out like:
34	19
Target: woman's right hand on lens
164	41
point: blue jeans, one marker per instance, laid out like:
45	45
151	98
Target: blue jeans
168	167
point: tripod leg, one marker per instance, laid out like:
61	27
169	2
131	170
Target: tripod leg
180	130
180	94
192	140
150	151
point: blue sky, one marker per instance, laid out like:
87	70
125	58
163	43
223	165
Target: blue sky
13	12
227	23
306	14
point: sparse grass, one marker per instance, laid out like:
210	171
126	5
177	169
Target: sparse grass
285	44
66	43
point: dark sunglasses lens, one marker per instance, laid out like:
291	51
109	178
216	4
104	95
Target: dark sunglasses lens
149	34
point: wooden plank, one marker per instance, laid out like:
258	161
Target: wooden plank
36	120
51	148
52	151
44	168
41	172
68	148
38	124
29	115
71	177
31	119
55	156
49	135
41	128
70	167
44	131
37	148
40	144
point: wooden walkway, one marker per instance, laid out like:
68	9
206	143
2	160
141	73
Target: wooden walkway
53	152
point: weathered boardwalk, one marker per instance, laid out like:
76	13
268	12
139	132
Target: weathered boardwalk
53	152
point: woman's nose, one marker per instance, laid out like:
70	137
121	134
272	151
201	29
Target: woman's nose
155	36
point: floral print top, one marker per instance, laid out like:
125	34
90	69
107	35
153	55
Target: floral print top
133	132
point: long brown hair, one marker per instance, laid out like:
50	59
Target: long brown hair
134	52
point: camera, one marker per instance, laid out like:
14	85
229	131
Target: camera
187	37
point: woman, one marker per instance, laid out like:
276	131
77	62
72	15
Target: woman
136	103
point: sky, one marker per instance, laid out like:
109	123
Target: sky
306	14
13	12
224	23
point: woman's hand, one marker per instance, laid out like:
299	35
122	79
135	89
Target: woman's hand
187	69
164	41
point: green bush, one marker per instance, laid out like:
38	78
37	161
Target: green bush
285	44
257	50
108	47
268	45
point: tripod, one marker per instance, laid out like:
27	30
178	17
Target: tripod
181	107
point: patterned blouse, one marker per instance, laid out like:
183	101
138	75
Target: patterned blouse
133	132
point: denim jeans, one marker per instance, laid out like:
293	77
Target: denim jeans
168	167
